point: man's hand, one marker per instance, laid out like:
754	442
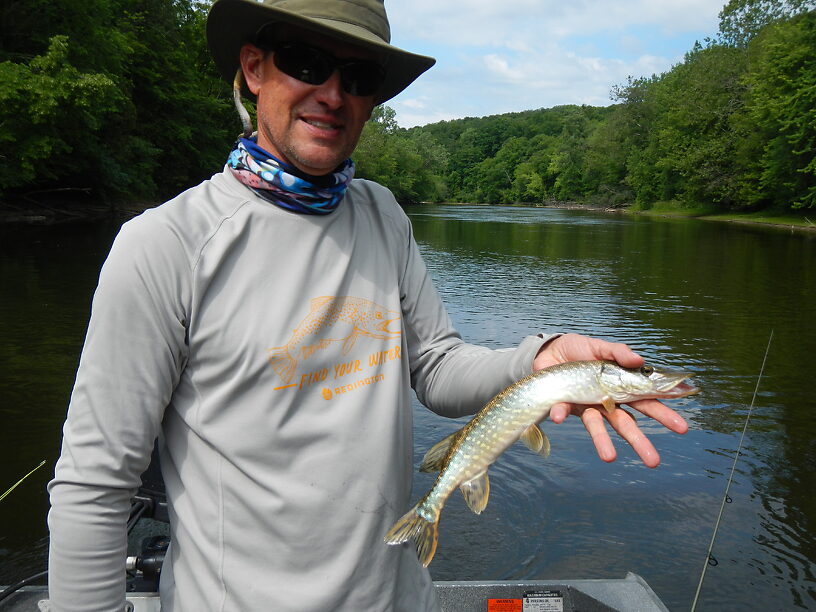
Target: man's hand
574	347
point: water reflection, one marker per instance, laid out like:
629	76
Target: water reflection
47	276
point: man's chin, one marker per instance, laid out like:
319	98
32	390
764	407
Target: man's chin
317	162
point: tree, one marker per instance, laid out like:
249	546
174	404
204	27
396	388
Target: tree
51	115
778	153
410	165
117	96
741	20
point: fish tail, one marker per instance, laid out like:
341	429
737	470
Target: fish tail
283	363
413	527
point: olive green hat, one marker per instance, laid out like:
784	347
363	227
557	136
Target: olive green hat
231	23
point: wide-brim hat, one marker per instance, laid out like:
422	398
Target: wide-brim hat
232	23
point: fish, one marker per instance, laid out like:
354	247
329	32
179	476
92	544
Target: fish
349	317
463	458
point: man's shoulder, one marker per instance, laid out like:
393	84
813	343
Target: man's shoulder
215	198
190	218
197	208
377	197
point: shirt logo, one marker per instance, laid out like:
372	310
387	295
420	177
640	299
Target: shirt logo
332	320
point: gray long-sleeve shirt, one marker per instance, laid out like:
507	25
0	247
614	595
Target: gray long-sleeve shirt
272	353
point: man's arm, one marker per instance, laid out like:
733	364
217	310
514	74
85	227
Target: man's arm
133	354
451	377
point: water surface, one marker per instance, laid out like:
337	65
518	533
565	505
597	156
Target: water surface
684	293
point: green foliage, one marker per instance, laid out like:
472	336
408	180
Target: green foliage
778	153
410	165
121	97
731	126
113	96
741	20
50	117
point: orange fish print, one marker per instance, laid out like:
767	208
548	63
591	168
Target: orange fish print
348	318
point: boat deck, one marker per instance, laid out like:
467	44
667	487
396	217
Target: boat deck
629	594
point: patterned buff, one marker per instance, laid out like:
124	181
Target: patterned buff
286	186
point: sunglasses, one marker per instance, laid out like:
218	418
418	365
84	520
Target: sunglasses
315	66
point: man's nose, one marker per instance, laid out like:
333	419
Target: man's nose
330	92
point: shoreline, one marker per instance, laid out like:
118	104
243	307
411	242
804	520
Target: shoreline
54	215
789	221
44	214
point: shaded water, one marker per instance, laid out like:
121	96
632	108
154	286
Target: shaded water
683	293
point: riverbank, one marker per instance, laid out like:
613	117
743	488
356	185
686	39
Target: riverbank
784	220
71	212
54	213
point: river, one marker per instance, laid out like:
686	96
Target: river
698	295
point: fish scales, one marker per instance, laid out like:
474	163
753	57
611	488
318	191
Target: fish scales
463	458
495	428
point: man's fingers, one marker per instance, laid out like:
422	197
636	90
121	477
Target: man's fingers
595	426
623	422
559	412
662	414
626	427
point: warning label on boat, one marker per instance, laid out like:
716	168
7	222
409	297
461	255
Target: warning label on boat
504	605
543	601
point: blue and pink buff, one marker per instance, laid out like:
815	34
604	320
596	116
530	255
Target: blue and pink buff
281	184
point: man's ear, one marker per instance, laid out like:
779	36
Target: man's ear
252	63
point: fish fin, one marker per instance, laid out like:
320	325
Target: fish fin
413	527
434	459
536	440
283	363
476	492
609	404
318	302
350	341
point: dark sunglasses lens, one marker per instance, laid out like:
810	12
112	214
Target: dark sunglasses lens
361	78
303	63
313	66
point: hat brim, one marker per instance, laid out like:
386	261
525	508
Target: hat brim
232	23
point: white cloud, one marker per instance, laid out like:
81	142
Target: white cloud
501	70
414	104
513	55
487	22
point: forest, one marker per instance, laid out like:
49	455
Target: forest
118	101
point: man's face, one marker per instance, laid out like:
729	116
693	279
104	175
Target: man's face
312	127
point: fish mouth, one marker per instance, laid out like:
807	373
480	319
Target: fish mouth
383	327
672	384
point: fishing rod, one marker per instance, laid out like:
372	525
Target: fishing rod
726	498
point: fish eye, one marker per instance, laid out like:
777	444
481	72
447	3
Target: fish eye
647	370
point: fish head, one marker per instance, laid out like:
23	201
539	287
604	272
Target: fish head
377	321
646	382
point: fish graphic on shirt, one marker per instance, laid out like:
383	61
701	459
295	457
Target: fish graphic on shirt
348	317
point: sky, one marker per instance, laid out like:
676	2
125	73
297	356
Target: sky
500	56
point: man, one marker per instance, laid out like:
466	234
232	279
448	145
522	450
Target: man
267	326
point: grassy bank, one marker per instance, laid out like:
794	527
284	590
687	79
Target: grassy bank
805	220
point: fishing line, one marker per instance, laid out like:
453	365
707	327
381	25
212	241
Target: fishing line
710	560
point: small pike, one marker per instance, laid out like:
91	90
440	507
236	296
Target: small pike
462	458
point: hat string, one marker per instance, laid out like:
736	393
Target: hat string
237	84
